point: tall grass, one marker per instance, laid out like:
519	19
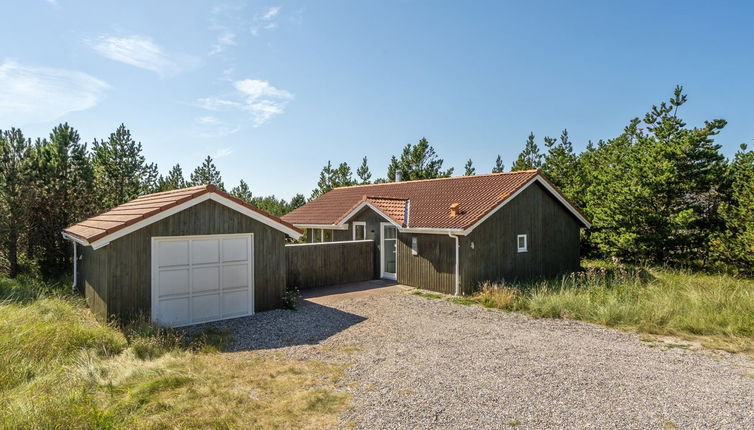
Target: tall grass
717	310
62	369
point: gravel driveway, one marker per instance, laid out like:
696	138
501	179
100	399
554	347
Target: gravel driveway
422	363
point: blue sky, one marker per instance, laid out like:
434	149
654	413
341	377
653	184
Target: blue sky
273	90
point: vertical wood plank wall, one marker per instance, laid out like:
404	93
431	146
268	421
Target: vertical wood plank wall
129	272
317	265
433	268
553	242
93	272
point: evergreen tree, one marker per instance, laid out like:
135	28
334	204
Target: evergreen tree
121	170
296	202
14	148
417	162
242	192
733	246
272	205
561	166
529	158
363	172
173	181
499	167
330	178
207	174
469	169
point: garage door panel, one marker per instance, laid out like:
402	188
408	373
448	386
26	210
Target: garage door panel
174	311
205	308
173	282
204	251
235	303
205	279
235	249
235	276
173	253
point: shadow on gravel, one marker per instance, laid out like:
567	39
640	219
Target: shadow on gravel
309	325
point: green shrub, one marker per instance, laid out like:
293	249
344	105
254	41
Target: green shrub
291	298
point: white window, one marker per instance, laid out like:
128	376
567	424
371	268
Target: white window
414	245
321	235
359	230
521	242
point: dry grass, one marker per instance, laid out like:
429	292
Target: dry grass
714	310
62	369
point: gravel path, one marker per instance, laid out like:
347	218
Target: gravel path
422	363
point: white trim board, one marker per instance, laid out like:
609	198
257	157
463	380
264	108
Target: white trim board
329	243
374	208
383	274
353	229
104	241
323	226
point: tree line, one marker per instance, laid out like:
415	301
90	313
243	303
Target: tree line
659	193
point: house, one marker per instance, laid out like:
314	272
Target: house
451	234
181	257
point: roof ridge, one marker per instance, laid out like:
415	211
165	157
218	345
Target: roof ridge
517	172
177	190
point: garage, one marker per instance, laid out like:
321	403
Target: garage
181	257
202	278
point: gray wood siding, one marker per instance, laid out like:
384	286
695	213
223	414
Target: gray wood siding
93	278
129	271
553	241
317	265
433	268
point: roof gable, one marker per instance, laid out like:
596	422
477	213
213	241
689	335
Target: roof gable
99	230
427	202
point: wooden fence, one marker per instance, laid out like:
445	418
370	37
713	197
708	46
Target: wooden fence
313	265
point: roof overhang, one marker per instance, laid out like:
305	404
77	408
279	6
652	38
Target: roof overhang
363	205
323	226
105	240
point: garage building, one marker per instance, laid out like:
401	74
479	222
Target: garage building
181	257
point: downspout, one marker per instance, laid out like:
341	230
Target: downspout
75	267
458	277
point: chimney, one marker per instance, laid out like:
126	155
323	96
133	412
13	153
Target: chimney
397	176
455	209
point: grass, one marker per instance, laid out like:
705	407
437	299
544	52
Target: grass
714	310
62	369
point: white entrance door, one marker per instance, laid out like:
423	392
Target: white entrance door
389	251
202	278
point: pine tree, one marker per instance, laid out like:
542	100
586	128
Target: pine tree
733	246
242	192
529	158
363	172
499	167
330	178
561	165
173	181
14	148
207	174
121	170
469	169
417	162
296	202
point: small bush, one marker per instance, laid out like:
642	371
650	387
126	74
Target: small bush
497	296
291	298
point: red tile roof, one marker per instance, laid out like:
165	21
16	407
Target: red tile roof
425	202
146	206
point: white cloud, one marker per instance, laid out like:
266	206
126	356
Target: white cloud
207	120
265	20
259	98
226	39
142	52
37	94
223	152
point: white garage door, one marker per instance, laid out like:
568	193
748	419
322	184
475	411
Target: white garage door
202	278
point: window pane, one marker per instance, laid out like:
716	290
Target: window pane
359	232
326	235
390	233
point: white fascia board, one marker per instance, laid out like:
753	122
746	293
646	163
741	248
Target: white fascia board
430	230
185	205
549	188
374	208
67	236
328	243
323	226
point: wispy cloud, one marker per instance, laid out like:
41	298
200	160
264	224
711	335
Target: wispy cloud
143	52
262	100
266	20
31	94
223	21
223	152
211	127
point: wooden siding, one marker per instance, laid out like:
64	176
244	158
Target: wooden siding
317	265
127	287
553	241
433	268
93	279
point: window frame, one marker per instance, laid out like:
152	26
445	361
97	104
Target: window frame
414	245
357	223
525	248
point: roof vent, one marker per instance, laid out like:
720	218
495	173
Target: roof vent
397	176
455	209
